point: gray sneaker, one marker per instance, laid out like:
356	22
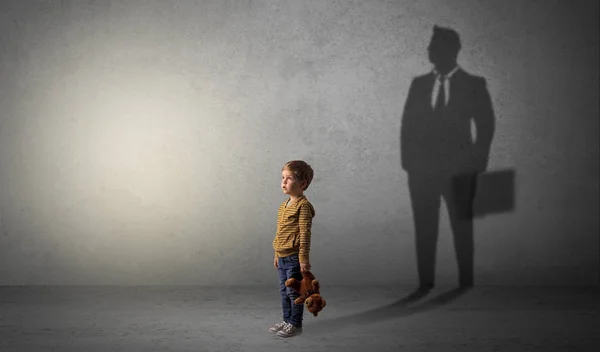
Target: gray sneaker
289	330
277	326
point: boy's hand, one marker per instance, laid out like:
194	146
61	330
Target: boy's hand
304	267
275	261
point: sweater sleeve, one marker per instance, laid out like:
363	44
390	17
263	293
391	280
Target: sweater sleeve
305	224
275	238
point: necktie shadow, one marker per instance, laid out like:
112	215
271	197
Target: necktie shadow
397	309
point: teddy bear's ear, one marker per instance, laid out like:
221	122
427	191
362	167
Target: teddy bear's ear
324	303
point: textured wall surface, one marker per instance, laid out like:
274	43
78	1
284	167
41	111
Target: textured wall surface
141	142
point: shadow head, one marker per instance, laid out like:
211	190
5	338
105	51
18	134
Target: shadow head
443	48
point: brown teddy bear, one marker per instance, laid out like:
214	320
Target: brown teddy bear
309	292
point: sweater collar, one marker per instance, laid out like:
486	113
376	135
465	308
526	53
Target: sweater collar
297	200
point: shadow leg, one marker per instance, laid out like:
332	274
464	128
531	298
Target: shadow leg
425	199
459	195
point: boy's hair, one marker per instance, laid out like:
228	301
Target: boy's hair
302	171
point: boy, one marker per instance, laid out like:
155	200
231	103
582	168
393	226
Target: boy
292	242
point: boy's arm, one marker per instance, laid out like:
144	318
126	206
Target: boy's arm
274	243
305	224
276	232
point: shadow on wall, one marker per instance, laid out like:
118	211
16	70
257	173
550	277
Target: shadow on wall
446	133
443	159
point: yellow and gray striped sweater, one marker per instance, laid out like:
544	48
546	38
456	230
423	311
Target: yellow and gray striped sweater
294	229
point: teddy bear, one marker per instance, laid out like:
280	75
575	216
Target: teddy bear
309	292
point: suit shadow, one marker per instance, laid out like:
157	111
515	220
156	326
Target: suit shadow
447	128
398	309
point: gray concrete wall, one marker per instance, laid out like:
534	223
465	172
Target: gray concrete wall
141	142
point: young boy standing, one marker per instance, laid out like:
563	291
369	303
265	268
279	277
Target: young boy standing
292	242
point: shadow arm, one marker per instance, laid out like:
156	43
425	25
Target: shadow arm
407	129
485	124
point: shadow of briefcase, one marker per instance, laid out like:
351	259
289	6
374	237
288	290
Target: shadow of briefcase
495	193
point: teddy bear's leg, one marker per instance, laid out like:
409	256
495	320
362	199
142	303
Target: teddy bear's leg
294	285
316	285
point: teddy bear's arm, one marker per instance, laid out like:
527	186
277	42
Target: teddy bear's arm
300	300
293	283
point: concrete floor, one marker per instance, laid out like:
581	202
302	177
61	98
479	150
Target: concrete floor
236	319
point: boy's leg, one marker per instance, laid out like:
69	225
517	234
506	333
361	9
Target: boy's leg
297	310
286	304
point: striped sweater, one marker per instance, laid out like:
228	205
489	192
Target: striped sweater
293	229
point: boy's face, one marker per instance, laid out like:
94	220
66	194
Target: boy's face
289	184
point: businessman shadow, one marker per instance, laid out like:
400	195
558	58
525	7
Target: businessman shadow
401	308
447	129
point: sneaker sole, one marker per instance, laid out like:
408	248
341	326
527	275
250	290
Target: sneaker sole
294	334
274	330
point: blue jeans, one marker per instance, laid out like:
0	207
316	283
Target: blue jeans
290	267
